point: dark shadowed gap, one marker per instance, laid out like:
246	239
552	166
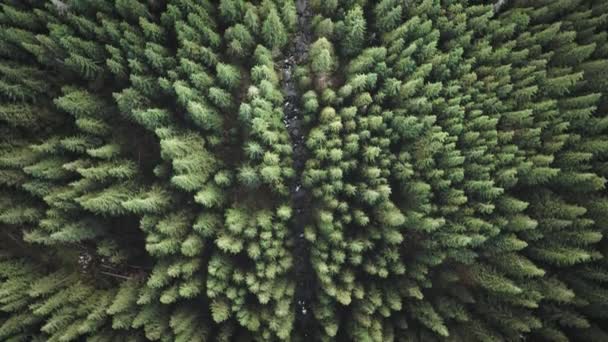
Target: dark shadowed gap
297	54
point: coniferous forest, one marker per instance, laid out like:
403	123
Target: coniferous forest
303	170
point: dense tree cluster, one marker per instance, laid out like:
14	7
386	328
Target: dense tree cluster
456	161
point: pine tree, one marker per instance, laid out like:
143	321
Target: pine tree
354	32
273	30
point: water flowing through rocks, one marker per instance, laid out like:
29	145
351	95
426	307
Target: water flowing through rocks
297	54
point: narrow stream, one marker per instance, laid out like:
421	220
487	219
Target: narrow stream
301	200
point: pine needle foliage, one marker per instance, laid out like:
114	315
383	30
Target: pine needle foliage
454	154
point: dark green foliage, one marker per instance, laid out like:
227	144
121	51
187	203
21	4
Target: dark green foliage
455	167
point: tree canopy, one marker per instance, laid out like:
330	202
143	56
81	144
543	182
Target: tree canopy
194	170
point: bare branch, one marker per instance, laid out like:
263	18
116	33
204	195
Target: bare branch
499	4
62	7
115	275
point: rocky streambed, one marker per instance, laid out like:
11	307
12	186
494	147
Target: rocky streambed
301	199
